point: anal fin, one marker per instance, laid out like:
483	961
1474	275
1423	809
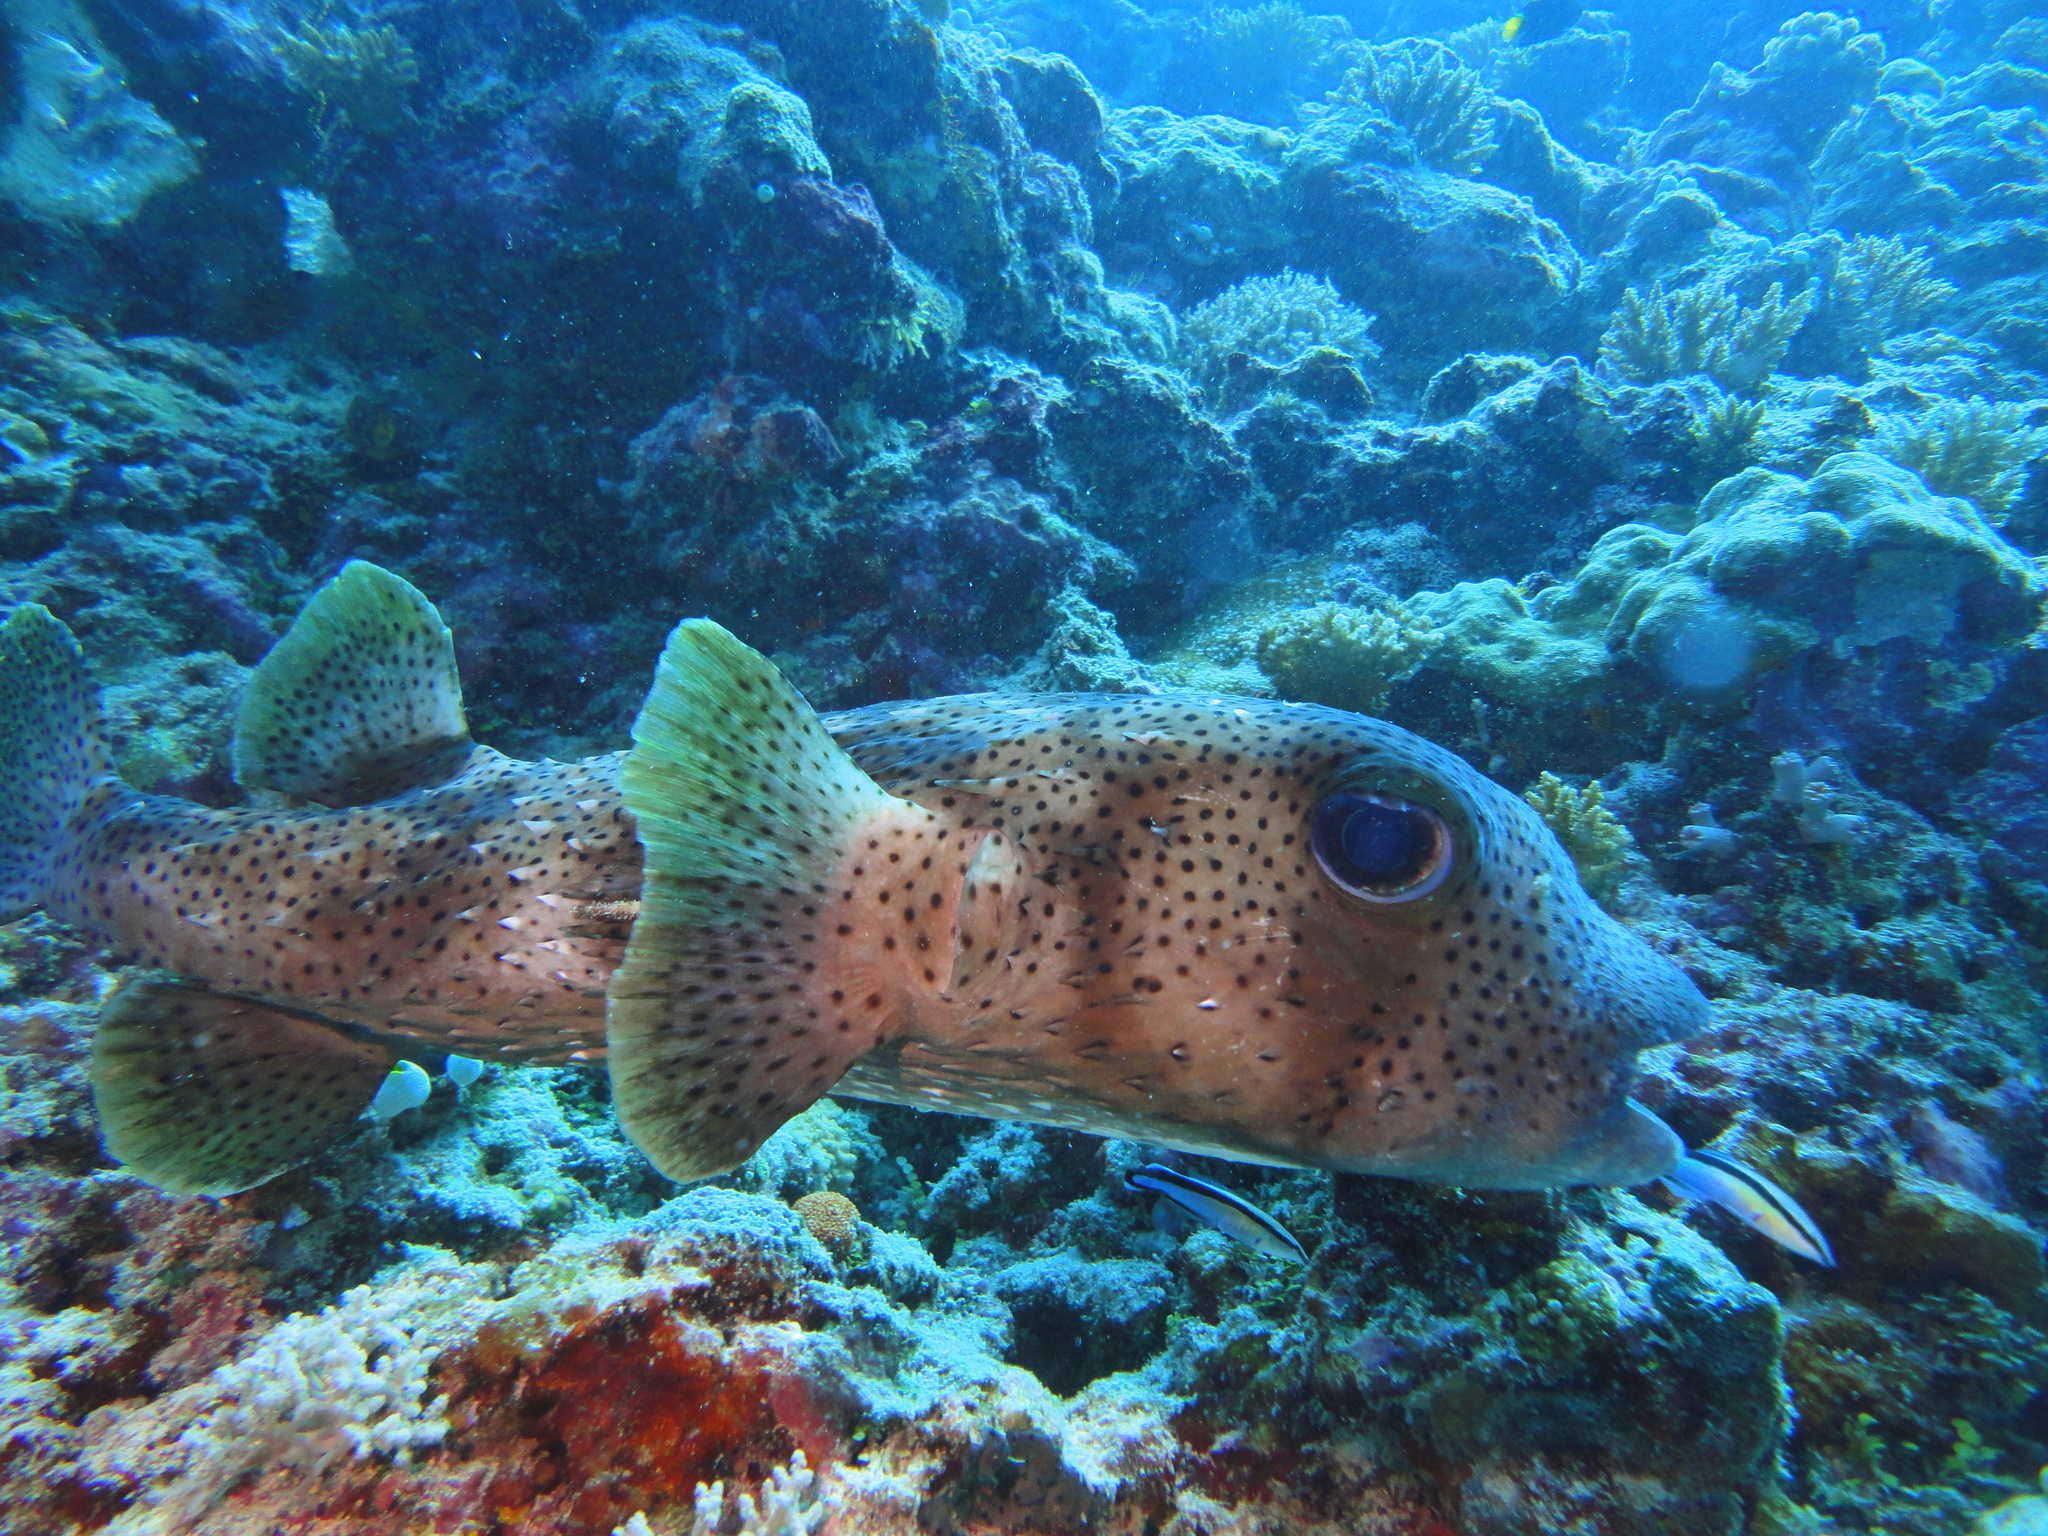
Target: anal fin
359	701
204	1094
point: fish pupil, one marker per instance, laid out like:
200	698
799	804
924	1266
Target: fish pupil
1385	843
1380	847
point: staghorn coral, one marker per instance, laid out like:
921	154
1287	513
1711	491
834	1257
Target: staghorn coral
1657	334
1277	320
1886	289
1419	84
1974	448
1344	657
1598	843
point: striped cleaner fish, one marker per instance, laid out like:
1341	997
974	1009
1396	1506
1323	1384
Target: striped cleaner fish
1756	1202
1269	932
1231	1214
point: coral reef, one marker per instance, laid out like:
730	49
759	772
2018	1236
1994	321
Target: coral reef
1652	413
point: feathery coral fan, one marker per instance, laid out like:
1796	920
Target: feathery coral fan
1704	329
367	72
1419	84
1344	657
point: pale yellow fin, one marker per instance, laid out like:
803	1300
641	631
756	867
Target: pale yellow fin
203	1094
751	984
360	699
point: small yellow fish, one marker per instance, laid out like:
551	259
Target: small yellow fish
1269	932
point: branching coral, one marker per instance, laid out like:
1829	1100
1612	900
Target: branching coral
367	72
1419	84
1345	657
1703	329
1886	289
348	1382
1598	843
1274	319
1725	430
1974	448
790	1505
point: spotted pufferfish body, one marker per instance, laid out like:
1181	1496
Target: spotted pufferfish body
1129	916
1269	932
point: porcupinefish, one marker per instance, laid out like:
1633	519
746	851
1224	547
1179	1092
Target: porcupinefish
1268	932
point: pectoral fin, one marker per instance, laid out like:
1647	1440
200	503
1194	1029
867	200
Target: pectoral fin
203	1094
759	968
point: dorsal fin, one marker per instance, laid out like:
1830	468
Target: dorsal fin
750	816
360	699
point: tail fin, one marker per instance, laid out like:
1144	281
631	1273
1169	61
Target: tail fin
51	751
762	964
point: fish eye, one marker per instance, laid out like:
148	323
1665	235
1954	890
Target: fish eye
1382	848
